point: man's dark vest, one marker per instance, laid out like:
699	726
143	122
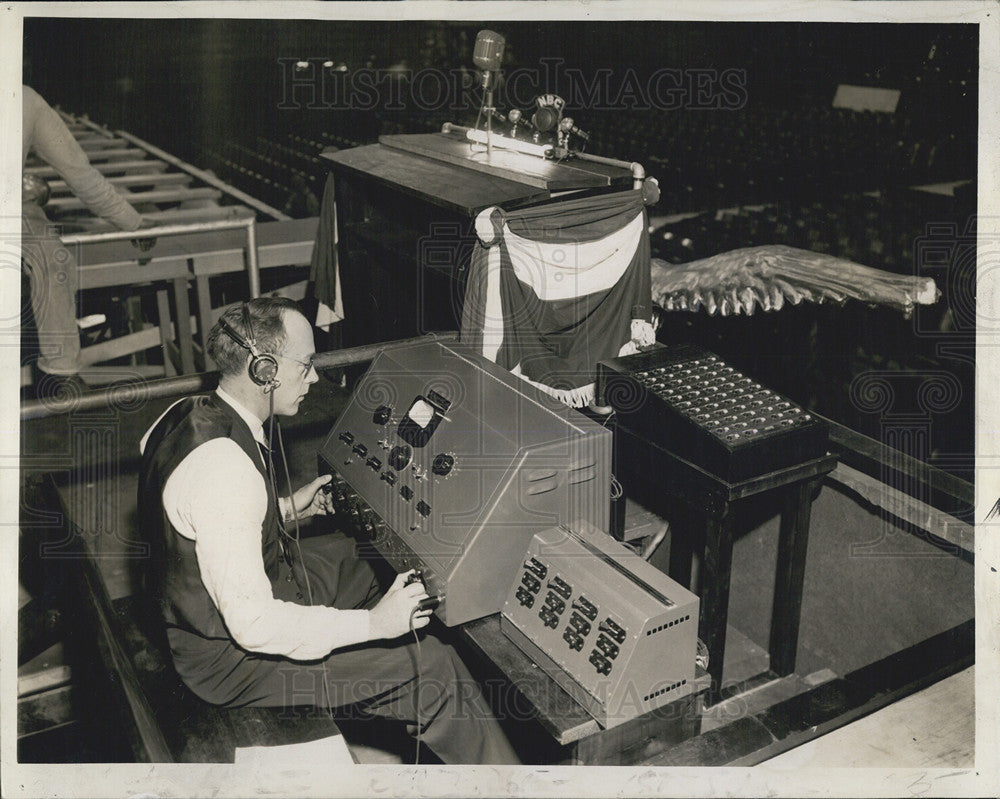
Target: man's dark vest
175	578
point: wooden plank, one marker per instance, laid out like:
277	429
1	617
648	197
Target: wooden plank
203	304
98	142
126	270
282	243
43	711
116	154
853	444
117	263
153	179
907	508
270	256
109	168
184	340
166	329
100	155
121	346
175	195
44	680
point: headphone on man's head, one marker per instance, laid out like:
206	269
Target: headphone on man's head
263	367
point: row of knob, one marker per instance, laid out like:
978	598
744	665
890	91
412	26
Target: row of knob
611	634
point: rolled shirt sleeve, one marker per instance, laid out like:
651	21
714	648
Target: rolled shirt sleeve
54	144
217	498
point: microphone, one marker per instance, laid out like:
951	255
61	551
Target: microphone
567	126
514	115
545	119
518	118
488	51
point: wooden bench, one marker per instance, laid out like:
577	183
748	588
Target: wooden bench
135	696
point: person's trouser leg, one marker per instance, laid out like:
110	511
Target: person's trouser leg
454	719
52	274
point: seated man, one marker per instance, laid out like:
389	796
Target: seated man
253	615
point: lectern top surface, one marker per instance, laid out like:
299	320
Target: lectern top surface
439	169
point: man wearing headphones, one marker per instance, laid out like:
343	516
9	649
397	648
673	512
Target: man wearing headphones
253	615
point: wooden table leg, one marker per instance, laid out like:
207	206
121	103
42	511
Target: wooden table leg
793	540
717	565
183	325
163	320
203	299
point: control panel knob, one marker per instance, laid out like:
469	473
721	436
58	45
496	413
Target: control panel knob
443	464
400	456
382	414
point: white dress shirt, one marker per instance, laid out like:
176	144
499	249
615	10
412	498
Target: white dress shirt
217	498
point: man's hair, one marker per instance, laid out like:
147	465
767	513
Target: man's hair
267	320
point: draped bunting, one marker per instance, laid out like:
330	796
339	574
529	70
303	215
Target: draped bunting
556	288
324	270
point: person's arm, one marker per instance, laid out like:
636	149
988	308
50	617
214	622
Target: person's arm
217	497
54	144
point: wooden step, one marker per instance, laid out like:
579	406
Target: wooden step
107	154
175	195
153	179
109	168
100	142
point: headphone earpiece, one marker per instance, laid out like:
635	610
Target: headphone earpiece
263	370
263	367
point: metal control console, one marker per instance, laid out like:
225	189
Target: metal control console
615	632
451	464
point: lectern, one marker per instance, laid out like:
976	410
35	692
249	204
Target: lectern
405	213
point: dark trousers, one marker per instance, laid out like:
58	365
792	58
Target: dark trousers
379	677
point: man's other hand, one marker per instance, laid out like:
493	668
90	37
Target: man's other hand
311	500
144	245
390	618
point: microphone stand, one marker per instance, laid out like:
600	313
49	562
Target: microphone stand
489	109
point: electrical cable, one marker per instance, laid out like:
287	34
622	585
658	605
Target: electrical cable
295	520
416	638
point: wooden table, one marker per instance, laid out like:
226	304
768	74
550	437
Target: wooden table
577	737
702	511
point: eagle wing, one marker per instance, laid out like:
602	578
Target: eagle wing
739	281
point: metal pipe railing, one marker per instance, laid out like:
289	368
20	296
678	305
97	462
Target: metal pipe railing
206	177
637	169
134	393
250	223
